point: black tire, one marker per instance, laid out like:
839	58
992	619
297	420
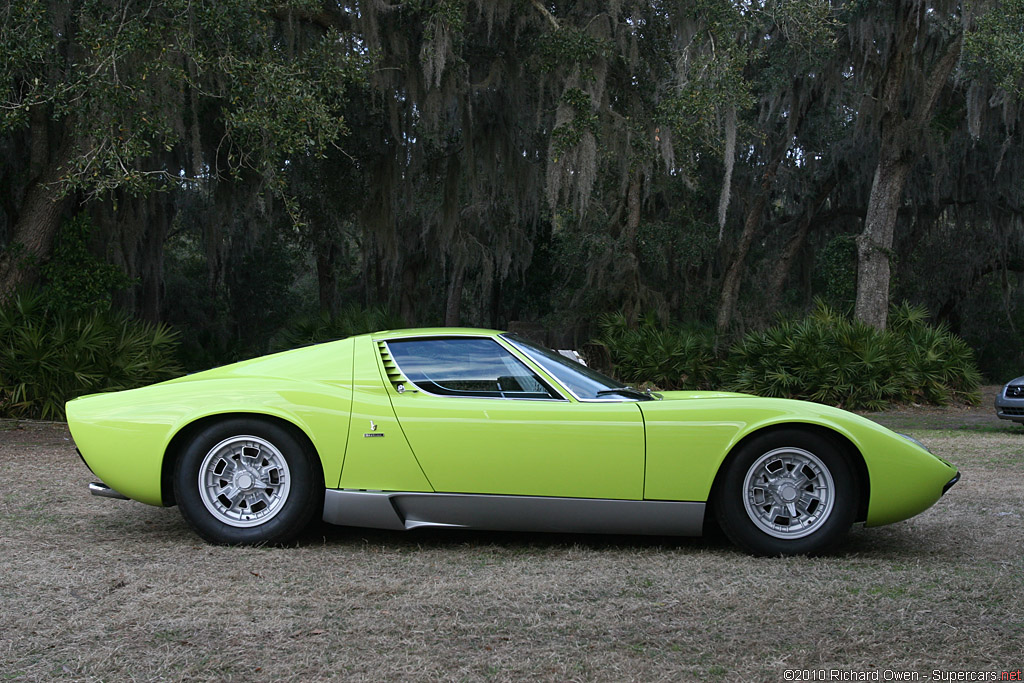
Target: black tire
787	492
246	481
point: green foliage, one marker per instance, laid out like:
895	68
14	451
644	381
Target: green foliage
350	320
995	48
76	281
836	270
127	84
669	358
568	135
49	357
569	46
939	367
825	357
234	313
830	359
997	318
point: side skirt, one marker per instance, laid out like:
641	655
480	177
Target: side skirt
399	511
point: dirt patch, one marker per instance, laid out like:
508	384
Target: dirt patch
104	590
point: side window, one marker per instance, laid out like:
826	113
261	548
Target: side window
454	366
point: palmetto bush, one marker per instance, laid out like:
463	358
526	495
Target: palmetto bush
939	366
825	357
668	358
828	358
49	357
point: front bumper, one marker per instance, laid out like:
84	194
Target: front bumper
1010	402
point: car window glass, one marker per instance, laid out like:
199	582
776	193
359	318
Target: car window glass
584	382
456	366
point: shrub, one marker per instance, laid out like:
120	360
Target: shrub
669	358
49	357
828	358
939	365
825	357
76	280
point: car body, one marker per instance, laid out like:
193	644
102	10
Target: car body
482	429
1010	401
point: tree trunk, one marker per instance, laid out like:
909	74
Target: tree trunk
161	213
327	277
900	136
40	214
795	243
496	302
874	244
734	274
408	298
452	316
632	300
32	238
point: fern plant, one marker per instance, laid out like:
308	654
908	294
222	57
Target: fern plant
48	357
940	366
828	358
669	358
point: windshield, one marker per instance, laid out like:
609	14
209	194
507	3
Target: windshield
583	382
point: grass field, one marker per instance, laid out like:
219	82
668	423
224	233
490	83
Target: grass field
95	589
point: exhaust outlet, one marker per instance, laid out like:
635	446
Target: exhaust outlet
103	491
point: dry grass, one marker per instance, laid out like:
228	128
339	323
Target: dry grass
94	589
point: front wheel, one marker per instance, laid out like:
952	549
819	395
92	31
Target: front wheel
247	481
787	492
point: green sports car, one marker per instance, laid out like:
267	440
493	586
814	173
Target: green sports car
481	429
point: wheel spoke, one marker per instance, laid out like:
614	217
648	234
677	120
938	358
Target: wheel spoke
249	460
229	469
264	474
759	496
261	496
231	493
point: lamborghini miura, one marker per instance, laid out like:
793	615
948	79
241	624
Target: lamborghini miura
480	429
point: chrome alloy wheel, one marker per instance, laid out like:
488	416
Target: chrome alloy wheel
788	493
244	481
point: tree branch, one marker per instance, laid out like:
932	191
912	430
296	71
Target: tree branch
547	15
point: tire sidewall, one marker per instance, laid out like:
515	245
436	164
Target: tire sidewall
298	508
741	529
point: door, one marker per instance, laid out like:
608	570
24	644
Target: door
479	420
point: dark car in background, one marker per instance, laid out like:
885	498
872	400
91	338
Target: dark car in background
1010	401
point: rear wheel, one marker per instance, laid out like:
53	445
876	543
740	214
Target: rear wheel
247	481
787	492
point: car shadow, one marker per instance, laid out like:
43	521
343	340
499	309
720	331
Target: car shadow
322	533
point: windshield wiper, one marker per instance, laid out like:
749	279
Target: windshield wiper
627	391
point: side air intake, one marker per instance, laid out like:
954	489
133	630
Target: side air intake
395	375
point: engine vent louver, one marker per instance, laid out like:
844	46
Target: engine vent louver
395	375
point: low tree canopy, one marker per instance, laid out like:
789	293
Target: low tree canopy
252	168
